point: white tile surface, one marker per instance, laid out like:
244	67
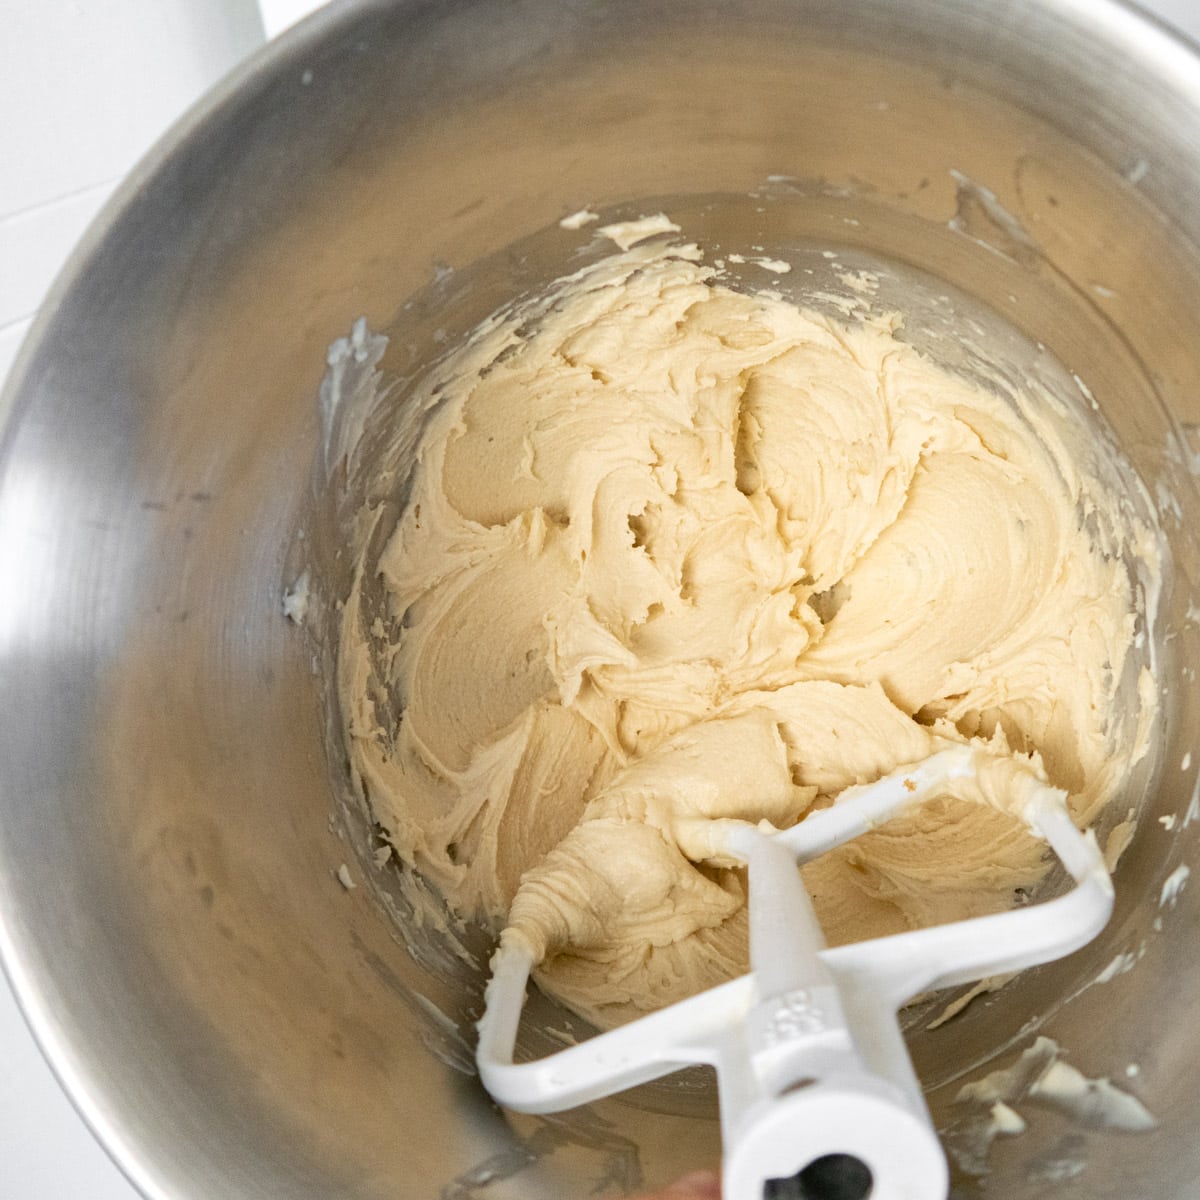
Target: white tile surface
102	79
11	337
34	241
84	90
277	15
45	1151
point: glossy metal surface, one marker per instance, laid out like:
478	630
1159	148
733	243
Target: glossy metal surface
233	1021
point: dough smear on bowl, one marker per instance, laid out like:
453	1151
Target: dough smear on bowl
672	552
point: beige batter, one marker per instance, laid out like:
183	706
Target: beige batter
674	552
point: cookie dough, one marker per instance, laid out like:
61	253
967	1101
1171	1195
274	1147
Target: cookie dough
674	552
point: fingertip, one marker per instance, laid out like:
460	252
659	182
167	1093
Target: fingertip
698	1185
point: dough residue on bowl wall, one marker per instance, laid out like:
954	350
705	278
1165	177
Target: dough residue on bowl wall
673	551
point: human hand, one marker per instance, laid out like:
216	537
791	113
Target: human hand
699	1185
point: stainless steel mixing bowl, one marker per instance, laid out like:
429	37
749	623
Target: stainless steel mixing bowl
233	1021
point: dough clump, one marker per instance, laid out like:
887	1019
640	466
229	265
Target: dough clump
672	552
